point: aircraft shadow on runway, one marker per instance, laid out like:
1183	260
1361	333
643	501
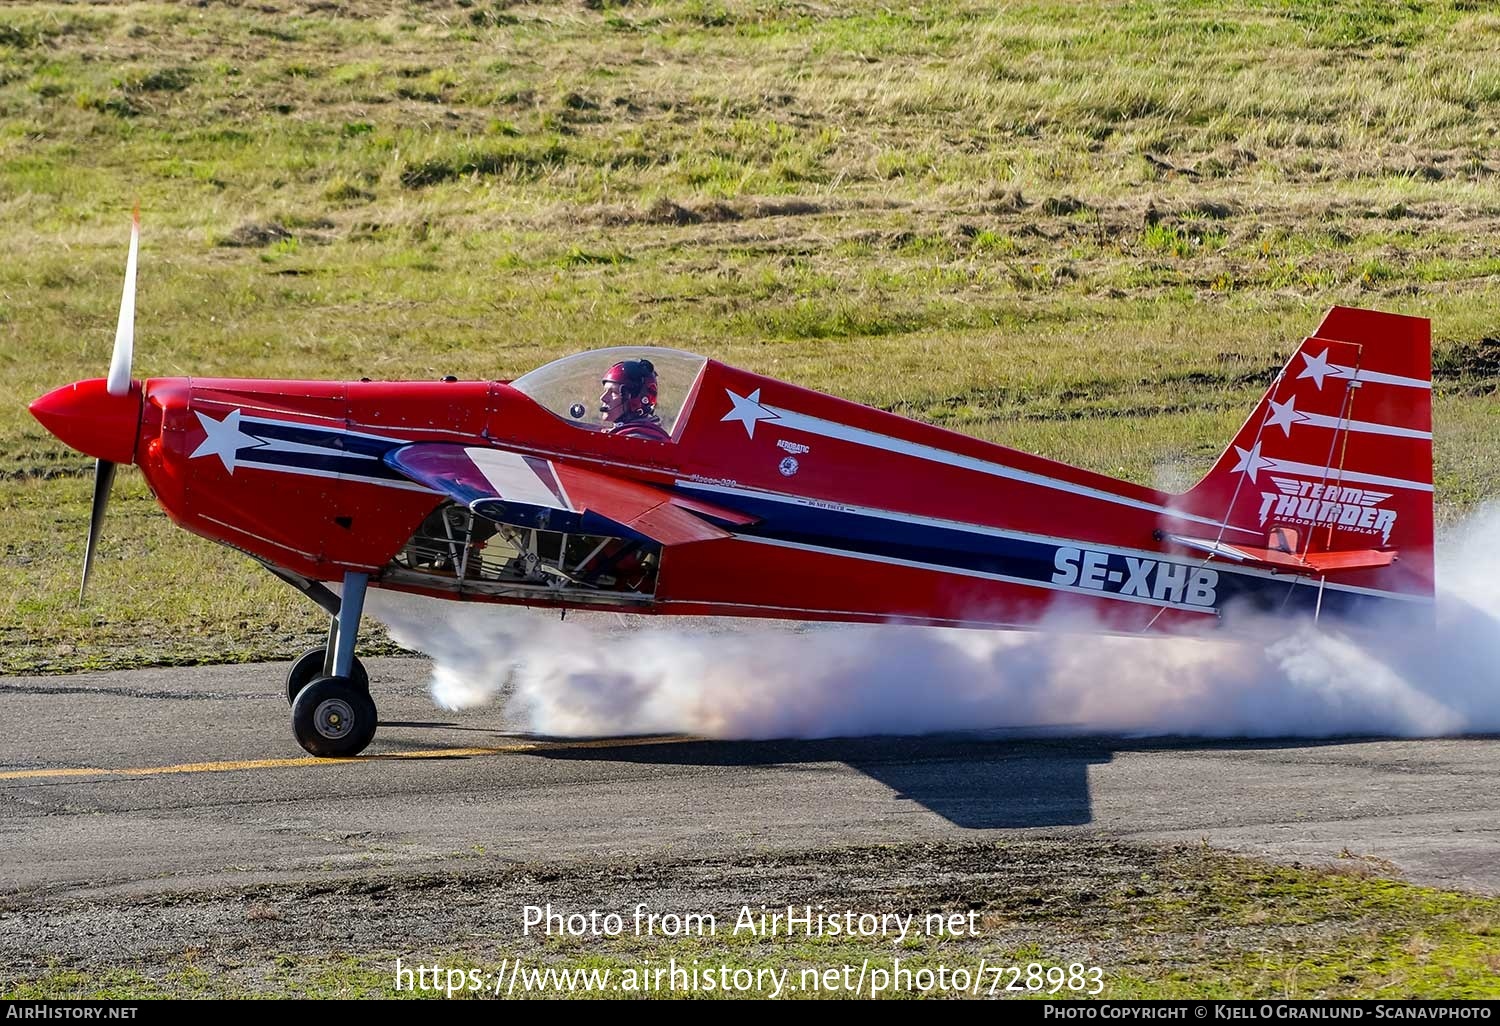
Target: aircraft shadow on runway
975	781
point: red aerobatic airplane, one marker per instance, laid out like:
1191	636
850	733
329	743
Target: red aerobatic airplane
654	481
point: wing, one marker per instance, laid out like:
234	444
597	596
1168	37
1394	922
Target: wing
529	491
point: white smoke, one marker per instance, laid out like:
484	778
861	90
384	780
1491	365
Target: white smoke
590	676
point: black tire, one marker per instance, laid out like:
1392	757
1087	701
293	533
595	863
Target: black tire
333	719
309	667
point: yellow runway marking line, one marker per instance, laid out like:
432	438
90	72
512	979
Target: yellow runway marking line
311	760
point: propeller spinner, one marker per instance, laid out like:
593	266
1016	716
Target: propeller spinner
101	417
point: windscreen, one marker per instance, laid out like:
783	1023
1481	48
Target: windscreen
576	388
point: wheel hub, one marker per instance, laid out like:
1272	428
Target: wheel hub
333	718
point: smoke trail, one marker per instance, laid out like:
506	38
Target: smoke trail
591	677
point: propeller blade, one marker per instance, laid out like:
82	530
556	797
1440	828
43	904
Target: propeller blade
118	382
104	476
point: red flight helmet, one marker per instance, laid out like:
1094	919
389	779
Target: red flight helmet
636	380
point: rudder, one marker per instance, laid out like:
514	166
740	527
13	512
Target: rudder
1331	475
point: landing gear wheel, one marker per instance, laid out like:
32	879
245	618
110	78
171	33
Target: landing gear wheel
333	718
310	666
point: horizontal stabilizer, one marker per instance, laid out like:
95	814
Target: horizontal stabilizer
1312	563
1349	559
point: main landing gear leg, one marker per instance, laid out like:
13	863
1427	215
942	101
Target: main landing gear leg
318	662
333	714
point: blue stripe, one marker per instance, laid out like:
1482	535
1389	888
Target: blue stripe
1033	560
328	438
332	463
346	454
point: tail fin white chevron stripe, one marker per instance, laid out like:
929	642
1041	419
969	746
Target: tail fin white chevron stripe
1286	416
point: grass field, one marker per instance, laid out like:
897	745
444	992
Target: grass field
1090	232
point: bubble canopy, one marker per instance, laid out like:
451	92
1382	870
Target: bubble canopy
569	388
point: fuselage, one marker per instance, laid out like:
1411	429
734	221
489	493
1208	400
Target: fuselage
849	513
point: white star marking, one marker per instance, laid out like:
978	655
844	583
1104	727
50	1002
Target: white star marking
1251	461
747	410
1317	368
225	439
1284	415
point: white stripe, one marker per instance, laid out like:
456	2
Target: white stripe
1342	476
830	429
512	477
1368	427
995	532
335	425
382	482
260	538
279	445
1376	377
574	459
981	575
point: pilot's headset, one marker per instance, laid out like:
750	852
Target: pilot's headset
636	380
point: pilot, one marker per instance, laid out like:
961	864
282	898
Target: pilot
627	406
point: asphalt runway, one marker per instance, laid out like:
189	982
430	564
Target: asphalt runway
153	781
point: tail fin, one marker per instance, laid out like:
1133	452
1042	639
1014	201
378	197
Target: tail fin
1332	473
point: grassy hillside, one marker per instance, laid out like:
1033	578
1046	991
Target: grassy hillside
1090	231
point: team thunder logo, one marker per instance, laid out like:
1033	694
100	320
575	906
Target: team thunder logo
1313	502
